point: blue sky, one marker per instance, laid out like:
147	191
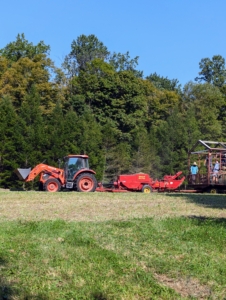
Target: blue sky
169	36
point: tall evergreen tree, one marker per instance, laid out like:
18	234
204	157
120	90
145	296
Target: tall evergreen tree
11	143
89	140
56	135
143	158
172	144
35	130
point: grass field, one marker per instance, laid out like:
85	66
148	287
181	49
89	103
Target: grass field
112	246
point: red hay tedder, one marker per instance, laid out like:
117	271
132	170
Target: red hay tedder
141	182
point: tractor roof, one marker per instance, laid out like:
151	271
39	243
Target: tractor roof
78	155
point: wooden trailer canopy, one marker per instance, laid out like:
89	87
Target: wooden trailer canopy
210	157
209	146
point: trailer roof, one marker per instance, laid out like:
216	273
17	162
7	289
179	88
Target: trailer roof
208	146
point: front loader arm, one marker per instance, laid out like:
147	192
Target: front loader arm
29	175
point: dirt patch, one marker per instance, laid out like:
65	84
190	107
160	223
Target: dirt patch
188	287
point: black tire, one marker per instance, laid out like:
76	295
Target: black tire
147	189
52	185
86	182
40	186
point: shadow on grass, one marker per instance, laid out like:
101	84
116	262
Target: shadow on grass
98	296
202	219
206	200
8	292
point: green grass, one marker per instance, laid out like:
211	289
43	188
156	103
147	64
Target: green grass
133	259
112	246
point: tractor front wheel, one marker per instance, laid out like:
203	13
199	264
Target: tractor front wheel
86	182
52	185
147	189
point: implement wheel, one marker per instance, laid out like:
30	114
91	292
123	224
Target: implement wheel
52	185
86	182
213	191
147	189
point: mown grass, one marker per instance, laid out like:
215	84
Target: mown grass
172	257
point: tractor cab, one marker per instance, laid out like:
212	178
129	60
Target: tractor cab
73	164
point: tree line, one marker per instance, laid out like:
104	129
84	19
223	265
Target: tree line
99	103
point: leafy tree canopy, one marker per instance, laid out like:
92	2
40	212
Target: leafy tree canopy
87	48
83	50
207	102
23	65
212	71
163	83
17	81
21	48
122	62
160	103
119	96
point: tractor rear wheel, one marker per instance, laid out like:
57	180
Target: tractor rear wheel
52	185
86	182
147	189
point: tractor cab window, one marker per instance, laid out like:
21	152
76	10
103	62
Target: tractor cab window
74	164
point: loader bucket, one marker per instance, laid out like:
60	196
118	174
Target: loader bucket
22	173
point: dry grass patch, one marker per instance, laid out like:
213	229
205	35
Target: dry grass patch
188	287
72	206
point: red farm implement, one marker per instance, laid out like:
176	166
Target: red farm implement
141	182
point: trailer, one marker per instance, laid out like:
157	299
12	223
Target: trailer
141	182
207	155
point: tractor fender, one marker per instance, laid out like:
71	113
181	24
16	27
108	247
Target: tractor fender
83	171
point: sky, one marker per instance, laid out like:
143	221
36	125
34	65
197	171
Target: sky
169	36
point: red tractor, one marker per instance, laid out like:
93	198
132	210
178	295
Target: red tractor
76	175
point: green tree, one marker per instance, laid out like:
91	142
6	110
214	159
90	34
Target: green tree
163	83
122	62
118	96
143	153
23	65
56	135
83	50
212	71
21	48
90	142
35	130
109	143
207	101
11	143
71	131
160	104
172	143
